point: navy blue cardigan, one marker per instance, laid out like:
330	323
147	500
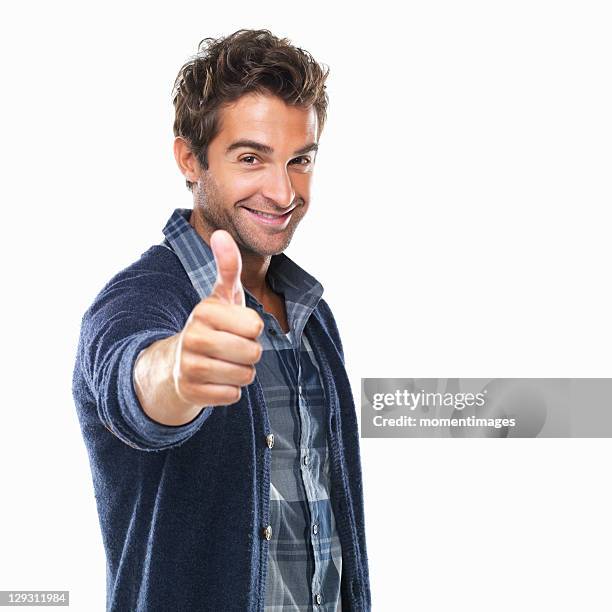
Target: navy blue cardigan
182	508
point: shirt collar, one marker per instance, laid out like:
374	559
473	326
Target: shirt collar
284	275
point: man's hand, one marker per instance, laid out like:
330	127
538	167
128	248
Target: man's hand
208	362
218	346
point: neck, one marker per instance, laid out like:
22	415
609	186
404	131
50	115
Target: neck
254	266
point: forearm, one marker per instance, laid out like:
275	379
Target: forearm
155	387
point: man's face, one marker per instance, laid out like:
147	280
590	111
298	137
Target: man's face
261	160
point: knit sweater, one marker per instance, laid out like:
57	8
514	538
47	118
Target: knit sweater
183	509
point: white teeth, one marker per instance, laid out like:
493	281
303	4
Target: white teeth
266	215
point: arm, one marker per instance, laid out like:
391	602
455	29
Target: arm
157	370
129	316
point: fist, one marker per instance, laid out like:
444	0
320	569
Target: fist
218	347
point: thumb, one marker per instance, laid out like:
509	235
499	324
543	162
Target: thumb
228	287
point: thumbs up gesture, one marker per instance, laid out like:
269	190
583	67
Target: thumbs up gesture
228	288
218	346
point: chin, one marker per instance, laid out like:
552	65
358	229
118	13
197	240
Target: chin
267	249
265	246
269	252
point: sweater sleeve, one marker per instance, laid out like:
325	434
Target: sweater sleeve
131	313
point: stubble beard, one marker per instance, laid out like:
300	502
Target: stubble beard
213	213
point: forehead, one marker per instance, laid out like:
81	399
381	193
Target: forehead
267	119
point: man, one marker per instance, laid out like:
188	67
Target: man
210	381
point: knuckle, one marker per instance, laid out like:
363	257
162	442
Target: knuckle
198	341
204	310
202	368
232	395
188	339
248	376
258	324
197	367
187	362
185	391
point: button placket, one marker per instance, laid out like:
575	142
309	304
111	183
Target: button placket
302	404
267	530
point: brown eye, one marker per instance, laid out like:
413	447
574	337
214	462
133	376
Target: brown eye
246	159
301	161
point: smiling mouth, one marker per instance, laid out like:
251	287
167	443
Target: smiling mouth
269	218
269	215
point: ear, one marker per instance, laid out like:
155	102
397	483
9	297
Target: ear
187	162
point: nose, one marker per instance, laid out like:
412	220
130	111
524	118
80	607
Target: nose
278	187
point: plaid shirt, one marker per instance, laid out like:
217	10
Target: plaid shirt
305	557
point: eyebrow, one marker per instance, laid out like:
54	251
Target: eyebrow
263	148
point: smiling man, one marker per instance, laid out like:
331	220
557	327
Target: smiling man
210	382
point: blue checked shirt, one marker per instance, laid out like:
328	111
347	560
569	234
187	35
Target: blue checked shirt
305	556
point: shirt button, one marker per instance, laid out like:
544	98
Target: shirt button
318	598
315	529
300	389
272	331
268	532
306	459
270	440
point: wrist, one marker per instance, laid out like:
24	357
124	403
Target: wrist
155	384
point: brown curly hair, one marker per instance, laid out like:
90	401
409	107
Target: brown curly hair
226	68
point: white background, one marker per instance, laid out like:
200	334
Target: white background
460	226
